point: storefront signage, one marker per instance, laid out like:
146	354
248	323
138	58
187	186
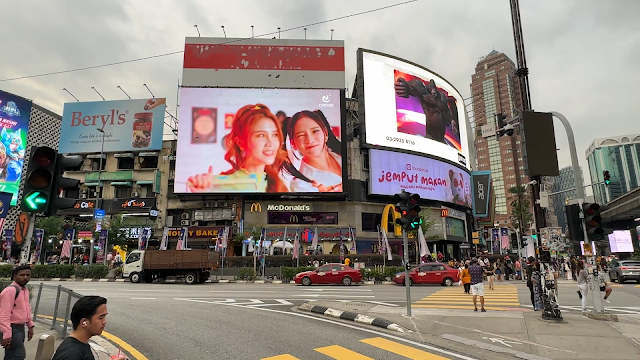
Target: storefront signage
453	213
302	218
197	232
307	233
134	232
281	207
84	205
256	207
109	176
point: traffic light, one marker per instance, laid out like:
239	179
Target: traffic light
38	185
525	241
503	128
409	210
64	163
592	220
574	224
607	177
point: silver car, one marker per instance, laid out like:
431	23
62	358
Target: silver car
623	270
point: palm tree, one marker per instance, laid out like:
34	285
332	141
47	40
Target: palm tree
521	217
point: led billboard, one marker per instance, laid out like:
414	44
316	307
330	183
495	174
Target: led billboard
15	113
233	140
392	172
408	107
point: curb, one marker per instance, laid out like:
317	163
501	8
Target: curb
221	281
348	315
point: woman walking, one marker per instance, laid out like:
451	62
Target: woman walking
536	280
491	275
466	279
583	287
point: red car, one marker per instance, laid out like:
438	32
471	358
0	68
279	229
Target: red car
329	274
430	273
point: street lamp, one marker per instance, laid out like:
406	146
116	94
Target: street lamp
99	200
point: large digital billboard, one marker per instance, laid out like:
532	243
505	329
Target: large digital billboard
620	241
411	108
15	113
233	140
390	172
129	125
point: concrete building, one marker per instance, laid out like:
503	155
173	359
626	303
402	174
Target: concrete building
562	185
620	156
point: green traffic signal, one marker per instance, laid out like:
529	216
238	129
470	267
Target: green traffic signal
36	201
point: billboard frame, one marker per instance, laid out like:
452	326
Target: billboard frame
359	90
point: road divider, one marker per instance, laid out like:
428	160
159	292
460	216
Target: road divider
352	316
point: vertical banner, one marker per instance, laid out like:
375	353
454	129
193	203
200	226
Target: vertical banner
38	235
5	205
424	249
341	247
165	239
296	247
505	238
495	236
67	245
182	239
8	236
386	245
102	242
314	242
352	236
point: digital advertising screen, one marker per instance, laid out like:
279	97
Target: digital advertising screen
15	114
235	140
620	241
390	172
410	108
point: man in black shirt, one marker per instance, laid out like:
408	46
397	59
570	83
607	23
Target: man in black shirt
88	316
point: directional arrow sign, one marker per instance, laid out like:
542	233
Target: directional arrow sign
36	200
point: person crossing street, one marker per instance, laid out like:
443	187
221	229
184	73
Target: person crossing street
477	287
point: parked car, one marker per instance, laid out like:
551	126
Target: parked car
429	273
623	270
329	274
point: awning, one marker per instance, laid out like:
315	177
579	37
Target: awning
145	182
92	184
148	154
124	155
121	183
96	156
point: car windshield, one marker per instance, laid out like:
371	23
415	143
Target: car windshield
630	263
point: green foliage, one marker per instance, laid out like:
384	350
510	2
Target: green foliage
246	274
285	260
379	274
5	271
115	224
288	273
92	272
31	288
427	222
52	225
521	217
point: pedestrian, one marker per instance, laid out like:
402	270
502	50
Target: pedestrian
477	287
530	261
466	279
536	282
604	286
491	277
518	270
583	287
347	261
88	317
15	313
110	259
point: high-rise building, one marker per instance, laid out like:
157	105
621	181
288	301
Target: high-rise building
619	155
562	185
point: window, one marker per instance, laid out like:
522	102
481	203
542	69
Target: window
133	257
365	160
324	268
338	268
92	192
123	191
370	221
148	162
425	268
146	191
125	163
95	164
437	268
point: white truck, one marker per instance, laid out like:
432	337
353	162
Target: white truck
194	266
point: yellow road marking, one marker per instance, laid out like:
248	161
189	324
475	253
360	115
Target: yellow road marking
421	302
461	307
281	357
137	355
340	353
402	350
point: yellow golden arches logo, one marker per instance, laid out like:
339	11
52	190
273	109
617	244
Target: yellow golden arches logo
384	225
256	207
293	219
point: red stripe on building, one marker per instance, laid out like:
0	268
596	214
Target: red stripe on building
263	57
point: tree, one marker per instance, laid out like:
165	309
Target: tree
427	221
521	217
117	234
52	226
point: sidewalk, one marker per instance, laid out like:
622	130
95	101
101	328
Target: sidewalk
102	347
509	334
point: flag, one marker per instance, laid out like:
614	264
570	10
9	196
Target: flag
225	237
284	240
314	242
341	247
296	247
8	236
505	239
66	249
380	243
38	235
353	240
386	245
102	242
165	239
182	239
424	249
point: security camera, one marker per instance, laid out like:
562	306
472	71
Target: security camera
508	130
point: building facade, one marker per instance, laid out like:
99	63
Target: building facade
619	156
562	185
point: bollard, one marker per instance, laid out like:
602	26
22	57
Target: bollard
55	310
46	347
35	309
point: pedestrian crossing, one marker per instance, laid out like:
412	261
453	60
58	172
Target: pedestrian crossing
504	297
376	344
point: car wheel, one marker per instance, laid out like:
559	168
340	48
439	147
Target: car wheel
134	277
620	279
447	282
306	281
410	282
346	281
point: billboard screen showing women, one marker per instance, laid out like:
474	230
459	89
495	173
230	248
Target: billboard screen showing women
259	141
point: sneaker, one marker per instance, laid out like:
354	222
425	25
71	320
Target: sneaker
579	294
483	310
476	309
606	301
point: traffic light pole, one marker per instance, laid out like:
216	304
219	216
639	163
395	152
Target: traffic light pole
595	288
407	278
26	248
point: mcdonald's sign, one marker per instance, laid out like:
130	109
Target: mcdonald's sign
384	225
256	207
293	219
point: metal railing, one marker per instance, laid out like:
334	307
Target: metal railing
54	303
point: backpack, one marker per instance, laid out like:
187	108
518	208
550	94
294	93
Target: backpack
17	294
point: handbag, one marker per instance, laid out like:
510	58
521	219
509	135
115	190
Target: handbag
460	283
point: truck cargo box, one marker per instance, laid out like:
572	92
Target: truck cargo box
181	259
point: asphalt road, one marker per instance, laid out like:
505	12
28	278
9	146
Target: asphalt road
256	321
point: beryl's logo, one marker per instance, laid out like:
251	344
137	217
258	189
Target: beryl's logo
113	118
256	207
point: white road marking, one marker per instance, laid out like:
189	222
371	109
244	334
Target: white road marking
253	302
242	291
337	289
336	295
382	303
143	298
83	289
353	327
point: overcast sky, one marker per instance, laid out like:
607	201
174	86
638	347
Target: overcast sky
583	55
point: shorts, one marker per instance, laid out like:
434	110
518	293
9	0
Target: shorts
603	288
477	289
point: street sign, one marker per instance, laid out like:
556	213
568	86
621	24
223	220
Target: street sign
98	214
22	225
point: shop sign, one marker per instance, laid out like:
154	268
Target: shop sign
453	213
197	231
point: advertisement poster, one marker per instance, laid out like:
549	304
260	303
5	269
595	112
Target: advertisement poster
5	205
392	172
128	125
259	140
102	243
38	235
481	189
8	242
15	113
411	108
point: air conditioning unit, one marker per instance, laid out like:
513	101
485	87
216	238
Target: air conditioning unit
185	216
184	222
135	194
83	196
224	204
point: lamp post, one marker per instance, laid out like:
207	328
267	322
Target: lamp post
99	199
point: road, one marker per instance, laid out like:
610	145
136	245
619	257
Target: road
256	321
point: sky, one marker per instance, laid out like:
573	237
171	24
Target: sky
582	55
